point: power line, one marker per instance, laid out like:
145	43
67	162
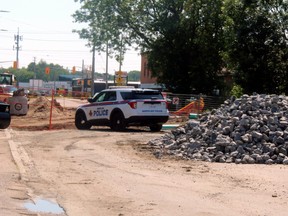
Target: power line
49	40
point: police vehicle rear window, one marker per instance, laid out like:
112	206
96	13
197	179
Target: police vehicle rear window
141	95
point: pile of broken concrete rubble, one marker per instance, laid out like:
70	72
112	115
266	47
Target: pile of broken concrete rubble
250	129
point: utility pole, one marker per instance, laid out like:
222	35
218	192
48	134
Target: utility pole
83	69
93	70
34	68
107	65
17	38
120	58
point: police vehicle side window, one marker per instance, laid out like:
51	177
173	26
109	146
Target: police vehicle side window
126	95
110	96
100	97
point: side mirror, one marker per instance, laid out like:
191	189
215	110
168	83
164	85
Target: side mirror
90	100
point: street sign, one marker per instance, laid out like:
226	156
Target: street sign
121	77
175	100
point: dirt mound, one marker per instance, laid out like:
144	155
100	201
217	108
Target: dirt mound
38	116
41	107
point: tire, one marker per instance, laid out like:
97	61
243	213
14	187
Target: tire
5	123
81	122
118	122
156	127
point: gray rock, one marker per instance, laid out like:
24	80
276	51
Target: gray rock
250	129
285	161
256	135
247	138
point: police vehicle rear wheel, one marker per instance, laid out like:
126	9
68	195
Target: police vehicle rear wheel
118	122
81	122
156	127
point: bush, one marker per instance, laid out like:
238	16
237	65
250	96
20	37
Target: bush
236	91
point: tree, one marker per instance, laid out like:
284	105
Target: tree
39	70
134	76
22	75
259	52
187	57
182	38
103	27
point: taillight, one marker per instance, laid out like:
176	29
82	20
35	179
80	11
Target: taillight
167	104
133	104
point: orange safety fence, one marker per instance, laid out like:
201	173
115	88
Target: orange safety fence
196	106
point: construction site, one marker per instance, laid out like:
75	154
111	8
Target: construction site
51	168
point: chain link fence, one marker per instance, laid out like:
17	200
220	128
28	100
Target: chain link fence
184	104
178	104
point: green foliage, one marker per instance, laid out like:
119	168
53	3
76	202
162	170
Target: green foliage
104	27
259	52
103	76
134	76
181	37
187	58
39	70
22	75
188	42
236	91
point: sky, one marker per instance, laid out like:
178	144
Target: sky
45	30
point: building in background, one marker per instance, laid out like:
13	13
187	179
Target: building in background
146	79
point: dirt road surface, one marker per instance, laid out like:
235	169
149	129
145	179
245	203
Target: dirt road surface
101	172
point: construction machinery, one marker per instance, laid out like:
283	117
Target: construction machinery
8	79
10	94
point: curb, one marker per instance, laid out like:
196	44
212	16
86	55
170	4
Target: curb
15	155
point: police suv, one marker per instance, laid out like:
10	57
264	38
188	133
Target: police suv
120	108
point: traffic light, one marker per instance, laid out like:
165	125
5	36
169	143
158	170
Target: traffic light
47	70
15	64
73	69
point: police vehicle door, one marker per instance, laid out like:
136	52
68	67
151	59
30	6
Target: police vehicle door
103	105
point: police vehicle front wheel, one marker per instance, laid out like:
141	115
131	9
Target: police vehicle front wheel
81	122
118	122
